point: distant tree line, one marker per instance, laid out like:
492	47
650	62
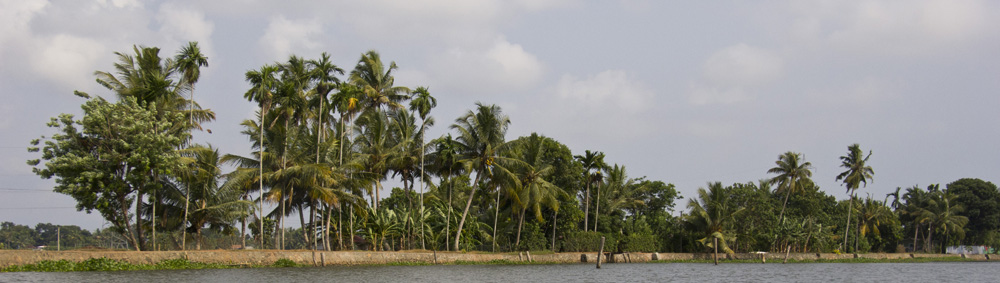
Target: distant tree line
324	140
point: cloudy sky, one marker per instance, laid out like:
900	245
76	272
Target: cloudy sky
685	93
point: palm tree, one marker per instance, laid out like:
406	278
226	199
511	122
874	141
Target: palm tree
422	102
445	161
189	61
216	206
857	174
376	83
593	163
528	177
262	86
872	214
793	176
376	146
944	216
711	216
480	139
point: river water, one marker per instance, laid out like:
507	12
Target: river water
636	272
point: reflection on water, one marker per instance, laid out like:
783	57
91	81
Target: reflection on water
637	272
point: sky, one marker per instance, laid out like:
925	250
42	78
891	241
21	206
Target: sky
685	92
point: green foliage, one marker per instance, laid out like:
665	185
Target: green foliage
981	201
284	262
588	242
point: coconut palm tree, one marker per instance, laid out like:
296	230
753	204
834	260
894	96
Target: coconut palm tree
378	149
711	216
263	83
944	216
528	176
857	175
446	162
216	206
593	163
422	102
189	61
375	81
480	139
871	215
793	176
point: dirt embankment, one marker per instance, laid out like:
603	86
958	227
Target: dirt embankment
322	258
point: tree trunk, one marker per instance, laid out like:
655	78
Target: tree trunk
447	222
586	205
139	244
847	227
916	229
260	178
597	208
198	242
555	218
496	216
351	218
520	223
465	213
781	216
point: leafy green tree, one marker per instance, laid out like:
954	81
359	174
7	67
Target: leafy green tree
858	173
793	176
13	236
112	159
981	201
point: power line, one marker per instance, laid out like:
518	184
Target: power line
29	208
26	190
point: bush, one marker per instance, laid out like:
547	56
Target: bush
588	242
284	263
639	243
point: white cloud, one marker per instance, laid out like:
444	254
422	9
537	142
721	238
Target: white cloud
500	66
182	25
284	37
516	64
14	19
67	60
610	87
119	3
892	27
730	74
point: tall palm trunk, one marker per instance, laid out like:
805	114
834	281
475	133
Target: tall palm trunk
916	229
465	213
847	227
260	178
586	205
597	208
781	216
447	222
422	246
555	218
496	216
520	223
187	192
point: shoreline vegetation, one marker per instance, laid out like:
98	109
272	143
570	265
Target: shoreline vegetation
72	261
325	141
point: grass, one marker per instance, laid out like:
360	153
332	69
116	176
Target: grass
106	264
845	260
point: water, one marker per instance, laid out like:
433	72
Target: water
637	272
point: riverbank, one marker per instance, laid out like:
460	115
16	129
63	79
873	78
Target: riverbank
257	258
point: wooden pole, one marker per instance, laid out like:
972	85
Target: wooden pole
715	255
600	253
58	238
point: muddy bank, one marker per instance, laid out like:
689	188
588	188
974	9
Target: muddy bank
321	258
